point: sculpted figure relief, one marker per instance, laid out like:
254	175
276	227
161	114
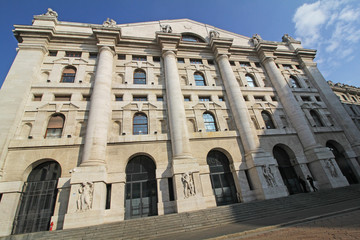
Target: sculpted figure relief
109	23
85	196
288	38
166	28
269	176
188	182
330	165
51	12
214	34
256	38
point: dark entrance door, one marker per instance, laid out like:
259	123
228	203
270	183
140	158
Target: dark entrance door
37	200
141	192
343	164
287	171
221	177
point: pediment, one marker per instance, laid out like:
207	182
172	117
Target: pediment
207	106
70	61
139	106
139	64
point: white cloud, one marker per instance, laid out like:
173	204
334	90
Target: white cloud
332	27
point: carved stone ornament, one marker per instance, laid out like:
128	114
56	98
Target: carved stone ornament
214	34
85	196
288	38
269	176
109	23
256	39
188	183
166	28
51	13
330	165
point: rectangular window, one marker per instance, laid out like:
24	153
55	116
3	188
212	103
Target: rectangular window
181	60
232	63
93	55
186	98
86	97
318	98
171	189
53	53
118	98
244	64
204	99
246	98
62	97
156	59
257	64
37	97
210	62
259	98
297	66
221	99
273	98
108	196
195	61
306	98
287	66
121	56
140	98
249	180
138	58
159	98
72	54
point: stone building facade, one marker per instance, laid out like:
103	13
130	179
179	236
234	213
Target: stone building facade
103	123
350	98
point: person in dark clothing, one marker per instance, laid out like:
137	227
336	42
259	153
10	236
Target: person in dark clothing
311	181
303	184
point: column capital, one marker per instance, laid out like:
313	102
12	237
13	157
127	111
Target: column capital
107	36
306	57
168	41
167	52
221	46
107	48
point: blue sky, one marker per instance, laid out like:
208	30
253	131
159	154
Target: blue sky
330	26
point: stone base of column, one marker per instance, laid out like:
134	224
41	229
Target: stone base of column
187	185
9	202
86	205
265	176
324	168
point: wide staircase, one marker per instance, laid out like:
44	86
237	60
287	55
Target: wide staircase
160	226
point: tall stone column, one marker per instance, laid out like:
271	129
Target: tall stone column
100	111
256	158
185	169
316	154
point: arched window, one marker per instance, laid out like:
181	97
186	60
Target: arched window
140	189
190	38
140	124
68	75
294	82
316	118
267	120
222	180
38	199
209	122
199	79
139	76
250	81
55	126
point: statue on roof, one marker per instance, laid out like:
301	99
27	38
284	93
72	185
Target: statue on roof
109	23
214	34
51	13
166	28
256	39
288	38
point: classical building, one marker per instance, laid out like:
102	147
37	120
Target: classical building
350	98
103	123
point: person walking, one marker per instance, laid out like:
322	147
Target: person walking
311	181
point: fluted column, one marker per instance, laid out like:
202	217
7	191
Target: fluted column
176	111
238	106
100	111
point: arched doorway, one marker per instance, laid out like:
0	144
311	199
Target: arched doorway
141	191
38	198
342	161
287	171
222	181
